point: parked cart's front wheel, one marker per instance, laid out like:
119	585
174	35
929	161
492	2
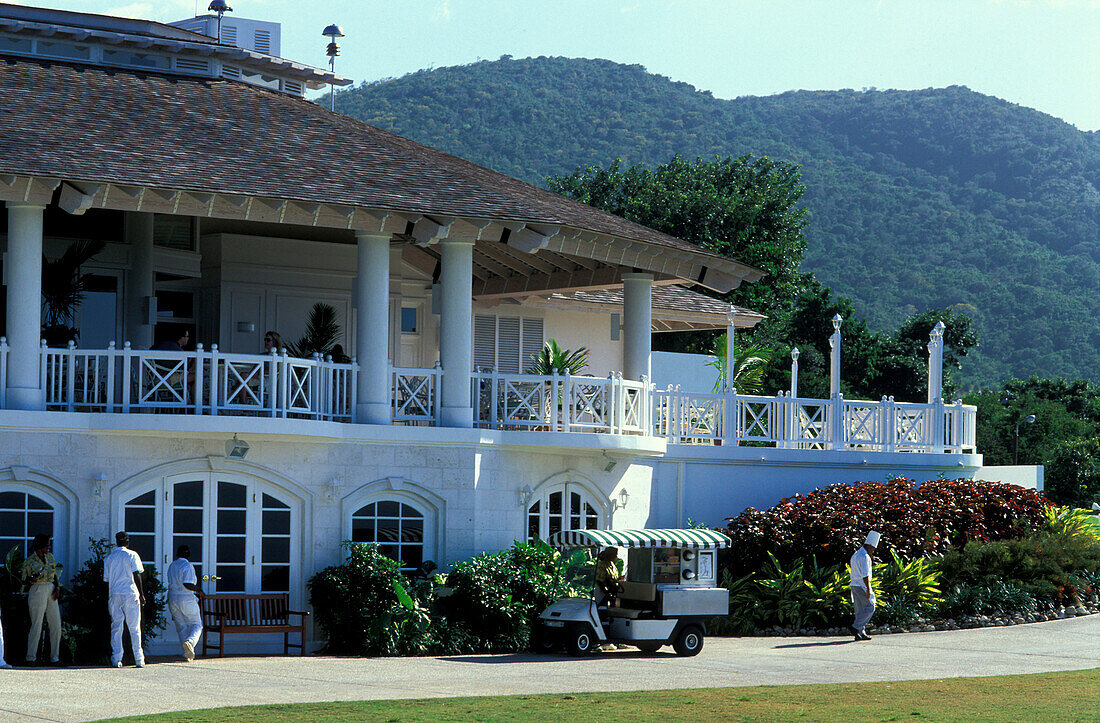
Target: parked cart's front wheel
689	642
580	640
545	640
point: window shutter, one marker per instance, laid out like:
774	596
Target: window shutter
508	345
485	342
262	41
531	342
229	35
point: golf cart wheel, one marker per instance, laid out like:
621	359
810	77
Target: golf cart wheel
580	640
689	642
649	647
544	641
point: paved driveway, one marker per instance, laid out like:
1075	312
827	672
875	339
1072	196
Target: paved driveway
89	693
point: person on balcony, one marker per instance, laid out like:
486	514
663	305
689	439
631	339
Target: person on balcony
183	594
273	342
863	595
122	571
40	572
175	342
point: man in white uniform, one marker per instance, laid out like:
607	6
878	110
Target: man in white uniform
863	596
122	570
183	589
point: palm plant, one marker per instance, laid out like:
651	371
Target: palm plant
552	359
321	334
751	363
63	287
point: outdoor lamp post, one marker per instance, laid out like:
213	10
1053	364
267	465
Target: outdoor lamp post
221	8
332	32
1029	419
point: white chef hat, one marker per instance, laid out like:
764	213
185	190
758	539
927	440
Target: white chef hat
872	539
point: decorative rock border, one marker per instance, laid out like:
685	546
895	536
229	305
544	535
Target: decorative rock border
922	625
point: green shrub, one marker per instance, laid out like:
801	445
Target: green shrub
1073	523
1072	472
87	622
997	598
803	595
915	521
365	606
495	597
908	584
13	606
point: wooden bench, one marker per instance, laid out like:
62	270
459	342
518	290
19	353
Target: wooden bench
227	613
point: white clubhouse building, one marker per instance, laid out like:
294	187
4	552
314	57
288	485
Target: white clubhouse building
230	205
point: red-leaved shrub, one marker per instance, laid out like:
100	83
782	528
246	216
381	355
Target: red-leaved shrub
915	521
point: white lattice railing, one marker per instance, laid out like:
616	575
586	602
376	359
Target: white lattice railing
415	395
561	402
792	423
197	382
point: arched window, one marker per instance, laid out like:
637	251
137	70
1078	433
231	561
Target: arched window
397	527
22	516
562	507
241	530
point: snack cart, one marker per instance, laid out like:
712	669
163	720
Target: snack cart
670	590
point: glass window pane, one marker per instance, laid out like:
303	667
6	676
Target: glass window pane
139	519
366	511
554	526
230	549
388	509
387	530
533	527
412	531
12	501
574	504
12	524
270	503
33	503
188	494
192	541
275	578
408	320
275	549
412	555
144	546
39	523
362	531
410	511
231	495
149	498
276	522
389	551
231	578
231	522
555	503
187	521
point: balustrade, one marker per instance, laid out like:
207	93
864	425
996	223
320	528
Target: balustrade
209	382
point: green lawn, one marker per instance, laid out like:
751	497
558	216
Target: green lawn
1046	697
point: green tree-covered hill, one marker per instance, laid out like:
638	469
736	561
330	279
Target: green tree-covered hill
918	199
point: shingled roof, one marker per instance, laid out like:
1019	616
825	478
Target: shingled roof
671	304
102	125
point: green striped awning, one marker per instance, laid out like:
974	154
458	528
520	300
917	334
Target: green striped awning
698	539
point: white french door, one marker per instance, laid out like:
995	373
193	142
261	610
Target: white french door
241	534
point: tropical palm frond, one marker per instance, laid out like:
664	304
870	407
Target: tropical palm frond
63	285
321	334
552	359
751	363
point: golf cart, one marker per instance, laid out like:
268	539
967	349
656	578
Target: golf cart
669	592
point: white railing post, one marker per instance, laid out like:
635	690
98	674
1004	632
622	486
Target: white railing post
353	391
731	434
957	423
567	407
3	372
794	372
834	357
839	422
889	424
273	398
127	381
110	394
199	374
70	374
219	381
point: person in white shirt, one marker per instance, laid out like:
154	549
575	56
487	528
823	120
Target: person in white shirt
863	595
183	592
3	663
122	571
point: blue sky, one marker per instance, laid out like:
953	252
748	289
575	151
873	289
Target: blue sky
1040	53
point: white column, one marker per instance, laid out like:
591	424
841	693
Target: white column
935	363
456	331
731	348
138	232
372	334
637	325
24	316
834	357
794	372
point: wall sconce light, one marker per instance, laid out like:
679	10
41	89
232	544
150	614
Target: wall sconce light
610	463
524	495
331	490
620	500
236	448
99	483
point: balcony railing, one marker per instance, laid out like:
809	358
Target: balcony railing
209	382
